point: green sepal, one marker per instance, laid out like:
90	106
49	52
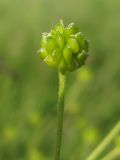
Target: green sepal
67	53
74	45
62	66
60	40
42	53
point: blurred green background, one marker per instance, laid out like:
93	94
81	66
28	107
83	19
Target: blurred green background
28	88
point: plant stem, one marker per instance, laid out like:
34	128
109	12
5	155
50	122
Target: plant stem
106	141
113	154
60	112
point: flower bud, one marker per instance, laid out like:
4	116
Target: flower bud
63	48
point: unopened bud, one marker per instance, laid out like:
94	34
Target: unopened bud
63	48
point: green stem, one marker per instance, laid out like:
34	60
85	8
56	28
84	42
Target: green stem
113	154
60	112
106	141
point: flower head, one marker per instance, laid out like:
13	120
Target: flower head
64	47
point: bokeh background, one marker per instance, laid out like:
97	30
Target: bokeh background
28	88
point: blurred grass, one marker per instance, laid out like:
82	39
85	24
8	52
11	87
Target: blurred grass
28	88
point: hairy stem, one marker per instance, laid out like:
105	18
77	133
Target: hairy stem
60	112
106	141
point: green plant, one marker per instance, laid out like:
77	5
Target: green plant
66	49
106	141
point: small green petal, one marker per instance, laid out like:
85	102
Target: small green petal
44	39
50	61
82	42
42	53
73	65
51	44
59	27
72	42
57	55
81	57
67	53
62	66
79	36
71	29
60	40
53	33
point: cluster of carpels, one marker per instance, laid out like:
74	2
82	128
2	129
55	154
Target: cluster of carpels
64	48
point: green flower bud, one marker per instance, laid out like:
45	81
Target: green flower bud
63	48
72	42
67	53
